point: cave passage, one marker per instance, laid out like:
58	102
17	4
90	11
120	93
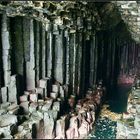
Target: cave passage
59	64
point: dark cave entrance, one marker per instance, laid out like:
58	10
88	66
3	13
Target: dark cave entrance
115	61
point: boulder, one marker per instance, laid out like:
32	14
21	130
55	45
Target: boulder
33	97
7	120
23	98
13	108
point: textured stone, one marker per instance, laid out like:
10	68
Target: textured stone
27	92
4	92
55	88
33	107
3	111
24	98
30	65
137	121
132	136
13	109
48	126
47	105
53	95
43	84
7	119
60	128
41	92
62	92
6	49
33	97
5	105
25	107
12	89
56	106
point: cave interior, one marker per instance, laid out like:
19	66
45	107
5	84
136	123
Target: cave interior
74	44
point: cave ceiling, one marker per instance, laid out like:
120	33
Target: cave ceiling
102	15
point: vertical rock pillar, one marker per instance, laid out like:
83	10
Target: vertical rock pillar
30	71
67	56
72	55
92	49
58	62
43	52
78	61
49	49
6	50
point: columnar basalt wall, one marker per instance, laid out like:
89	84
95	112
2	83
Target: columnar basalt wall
54	48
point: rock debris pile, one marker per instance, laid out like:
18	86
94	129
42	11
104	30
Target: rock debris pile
39	113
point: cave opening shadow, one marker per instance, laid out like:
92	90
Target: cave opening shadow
118	97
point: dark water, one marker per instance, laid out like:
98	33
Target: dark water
104	127
118	98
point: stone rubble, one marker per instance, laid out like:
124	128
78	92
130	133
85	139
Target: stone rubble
41	117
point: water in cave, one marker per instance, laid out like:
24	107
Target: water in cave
118	100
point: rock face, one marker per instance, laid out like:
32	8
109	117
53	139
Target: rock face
128	126
12	89
130	14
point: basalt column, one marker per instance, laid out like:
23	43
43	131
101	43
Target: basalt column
78	61
92	49
6	49
30	65
37	42
58	58
17	54
72	62
67	54
49	49
1	62
43	43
